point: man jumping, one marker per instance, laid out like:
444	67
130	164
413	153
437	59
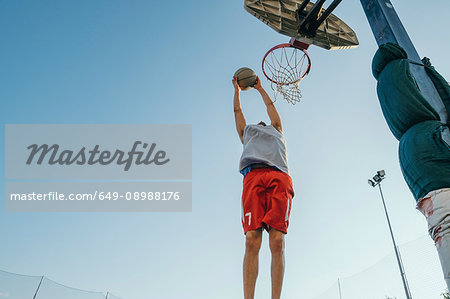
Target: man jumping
267	192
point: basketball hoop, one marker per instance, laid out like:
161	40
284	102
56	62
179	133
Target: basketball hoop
285	66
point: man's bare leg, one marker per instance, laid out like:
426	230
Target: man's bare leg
252	245
276	243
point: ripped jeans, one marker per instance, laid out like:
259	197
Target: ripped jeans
435	206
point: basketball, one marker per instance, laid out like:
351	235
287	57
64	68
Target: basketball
246	78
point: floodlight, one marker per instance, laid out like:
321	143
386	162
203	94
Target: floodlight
381	173
371	183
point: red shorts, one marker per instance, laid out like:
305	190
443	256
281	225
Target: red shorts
266	200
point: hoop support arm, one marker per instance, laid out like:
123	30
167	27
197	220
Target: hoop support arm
327	12
310	20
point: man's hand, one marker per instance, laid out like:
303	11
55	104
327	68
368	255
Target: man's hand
258	85
237	88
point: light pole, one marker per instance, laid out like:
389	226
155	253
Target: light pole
376	181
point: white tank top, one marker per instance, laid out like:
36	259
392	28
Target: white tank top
264	144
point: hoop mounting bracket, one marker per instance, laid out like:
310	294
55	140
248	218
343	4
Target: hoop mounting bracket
298	44
310	22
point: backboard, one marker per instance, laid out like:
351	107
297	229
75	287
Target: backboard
307	22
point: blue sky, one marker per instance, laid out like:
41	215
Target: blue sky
172	62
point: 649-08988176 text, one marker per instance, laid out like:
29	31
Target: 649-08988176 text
99	195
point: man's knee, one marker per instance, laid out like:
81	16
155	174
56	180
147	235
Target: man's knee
436	208
276	242
253	241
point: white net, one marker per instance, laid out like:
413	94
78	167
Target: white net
285	66
291	93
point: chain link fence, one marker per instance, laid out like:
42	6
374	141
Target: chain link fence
383	280
17	286
380	281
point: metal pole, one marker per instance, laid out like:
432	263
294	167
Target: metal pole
387	28
339	285
404	273
39	286
400	265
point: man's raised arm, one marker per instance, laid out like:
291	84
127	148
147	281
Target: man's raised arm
271	110
238	115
